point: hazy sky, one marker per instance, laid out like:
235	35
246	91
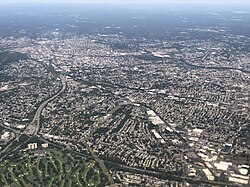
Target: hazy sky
132	1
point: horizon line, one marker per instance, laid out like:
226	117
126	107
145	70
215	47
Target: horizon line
130	3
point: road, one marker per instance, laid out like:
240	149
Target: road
36	120
168	176
101	163
36	124
11	129
186	64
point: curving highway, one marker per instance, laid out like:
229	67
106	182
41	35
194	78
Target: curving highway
36	120
35	123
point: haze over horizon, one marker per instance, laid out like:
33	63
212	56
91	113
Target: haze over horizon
224	2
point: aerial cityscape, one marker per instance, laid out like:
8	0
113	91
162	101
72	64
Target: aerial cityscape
133	95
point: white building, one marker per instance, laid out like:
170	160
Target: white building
45	145
32	146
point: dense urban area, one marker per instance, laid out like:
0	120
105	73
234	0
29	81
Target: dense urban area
112	110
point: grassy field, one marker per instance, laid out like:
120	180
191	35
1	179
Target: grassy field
51	168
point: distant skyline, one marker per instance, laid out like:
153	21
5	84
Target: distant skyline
225	2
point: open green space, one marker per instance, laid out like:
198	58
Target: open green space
51	168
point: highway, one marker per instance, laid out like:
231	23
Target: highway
168	176
11	129
36	120
35	123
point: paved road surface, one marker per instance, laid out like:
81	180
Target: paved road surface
36	120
